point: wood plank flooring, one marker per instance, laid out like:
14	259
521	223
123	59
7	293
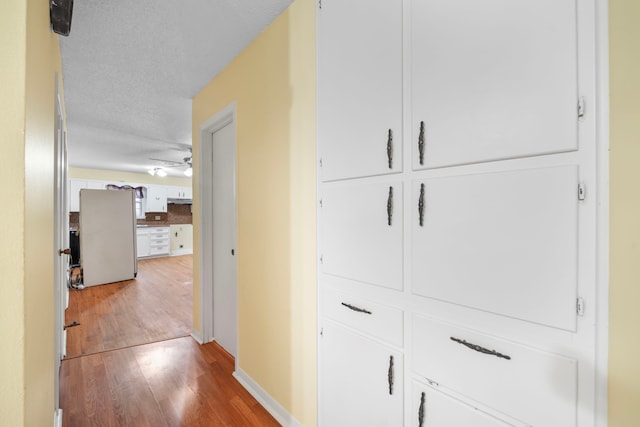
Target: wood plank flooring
132	363
170	383
155	306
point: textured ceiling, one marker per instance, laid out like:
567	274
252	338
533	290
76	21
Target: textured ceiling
131	68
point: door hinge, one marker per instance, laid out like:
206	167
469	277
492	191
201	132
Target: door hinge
581	107
582	191
580	306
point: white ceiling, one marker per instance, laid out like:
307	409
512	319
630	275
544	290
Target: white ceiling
131	68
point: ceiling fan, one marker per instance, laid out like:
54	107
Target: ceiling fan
186	161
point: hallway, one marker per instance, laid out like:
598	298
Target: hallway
132	362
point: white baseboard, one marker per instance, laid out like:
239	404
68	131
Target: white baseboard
196	336
57	418
274	408
182	252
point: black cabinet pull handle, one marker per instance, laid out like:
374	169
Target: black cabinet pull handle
390	148
480	349
354	308
421	143
390	206
390	375
421	206
421	410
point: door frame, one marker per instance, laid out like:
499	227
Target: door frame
221	119
61	241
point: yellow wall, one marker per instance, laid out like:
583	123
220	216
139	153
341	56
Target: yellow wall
273	84
12	68
127	177
30	58
624	291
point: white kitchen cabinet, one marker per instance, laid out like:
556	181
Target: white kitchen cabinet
432	408
75	185
492	79
360	70
179	193
362	229
153	241
159	241
142	242
156	198
503	242
362	381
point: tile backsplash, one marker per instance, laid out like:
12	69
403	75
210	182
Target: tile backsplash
176	214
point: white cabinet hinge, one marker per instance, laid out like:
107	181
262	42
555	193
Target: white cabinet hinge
320	4
580	306
321	332
320	161
582	191
321	259
320	202
581	107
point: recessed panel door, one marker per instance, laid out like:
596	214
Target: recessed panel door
359	88
361	228
492	79
361	381
503	242
434	409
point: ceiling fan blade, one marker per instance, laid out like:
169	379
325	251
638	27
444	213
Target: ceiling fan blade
167	162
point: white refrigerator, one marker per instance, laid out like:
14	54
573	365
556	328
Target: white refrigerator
107	236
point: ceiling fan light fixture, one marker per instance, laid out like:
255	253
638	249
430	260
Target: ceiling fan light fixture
161	172
188	172
152	172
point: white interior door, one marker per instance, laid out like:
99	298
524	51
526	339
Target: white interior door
224	238
61	236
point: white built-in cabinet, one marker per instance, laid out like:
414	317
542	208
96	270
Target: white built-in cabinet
456	213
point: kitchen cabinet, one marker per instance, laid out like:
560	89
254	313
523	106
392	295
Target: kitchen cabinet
153	241
75	185
142	242
179	193
473	236
156	198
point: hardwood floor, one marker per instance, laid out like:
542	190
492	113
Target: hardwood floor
130	362
156	306
170	383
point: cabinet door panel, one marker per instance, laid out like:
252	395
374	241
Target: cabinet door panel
359	87
355	388
436	409
357	241
501	242
493	79
534	386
